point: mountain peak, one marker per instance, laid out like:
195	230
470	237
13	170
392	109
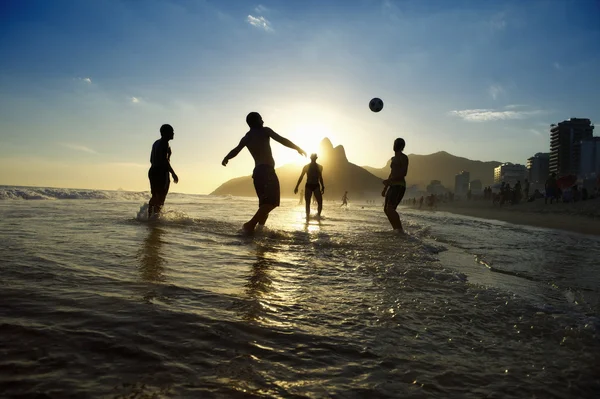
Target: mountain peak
326	145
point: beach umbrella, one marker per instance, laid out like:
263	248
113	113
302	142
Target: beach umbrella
566	181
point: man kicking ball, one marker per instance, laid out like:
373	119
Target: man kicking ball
265	179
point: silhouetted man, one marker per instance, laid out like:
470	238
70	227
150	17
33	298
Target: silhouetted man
345	199
265	179
314	176
395	185
551	188
160	160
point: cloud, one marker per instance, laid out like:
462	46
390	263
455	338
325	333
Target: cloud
498	22
535	132
557	66
260	22
135	100
488	115
78	147
86	80
260	9
496	90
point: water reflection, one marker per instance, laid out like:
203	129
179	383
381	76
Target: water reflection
151	263
260	282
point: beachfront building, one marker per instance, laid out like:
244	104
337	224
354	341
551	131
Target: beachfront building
435	187
538	168
590	158
476	187
461	184
565	145
510	173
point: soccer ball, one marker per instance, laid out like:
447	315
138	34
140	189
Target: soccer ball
376	104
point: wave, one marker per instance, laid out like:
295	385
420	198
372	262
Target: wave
41	193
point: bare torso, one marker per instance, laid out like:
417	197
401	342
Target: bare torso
258	142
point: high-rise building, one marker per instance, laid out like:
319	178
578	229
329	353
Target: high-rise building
565	145
510	173
590	158
476	187
461	183
538	168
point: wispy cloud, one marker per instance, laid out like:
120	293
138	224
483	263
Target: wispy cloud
86	80
515	106
535	132
557	66
78	147
488	115
260	9
135	100
498	22
260	22
496	90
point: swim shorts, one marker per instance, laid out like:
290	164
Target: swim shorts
312	187
266	185
394	195
159	187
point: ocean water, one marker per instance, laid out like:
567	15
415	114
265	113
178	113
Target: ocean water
96	302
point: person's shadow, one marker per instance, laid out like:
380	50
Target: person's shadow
151	263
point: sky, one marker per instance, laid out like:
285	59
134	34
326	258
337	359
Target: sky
85	85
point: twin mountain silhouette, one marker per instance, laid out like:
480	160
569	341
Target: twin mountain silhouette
340	175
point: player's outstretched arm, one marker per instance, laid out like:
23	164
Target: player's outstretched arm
285	142
321	179
233	153
300	180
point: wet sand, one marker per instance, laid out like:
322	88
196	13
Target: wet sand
581	217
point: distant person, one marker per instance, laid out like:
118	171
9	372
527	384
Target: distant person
266	183
551	188
395	185
421	202
517	192
314	184
345	199
160	168
301	200
526	189
576	194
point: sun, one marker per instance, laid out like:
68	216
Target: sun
308	137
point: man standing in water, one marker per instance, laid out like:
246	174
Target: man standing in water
266	182
395	185
160	159
314	176
345	199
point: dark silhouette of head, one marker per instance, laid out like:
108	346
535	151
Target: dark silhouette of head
254	120
313	157
399	144
166	131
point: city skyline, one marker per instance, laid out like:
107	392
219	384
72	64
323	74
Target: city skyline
85	86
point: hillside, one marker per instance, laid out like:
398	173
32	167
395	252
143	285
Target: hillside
441	166
361	182
339	176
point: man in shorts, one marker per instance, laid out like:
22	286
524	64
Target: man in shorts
266	183
314	184
160	160
395	185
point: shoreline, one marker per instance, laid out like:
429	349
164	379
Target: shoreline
581	217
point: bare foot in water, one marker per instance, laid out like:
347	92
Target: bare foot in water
248	227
